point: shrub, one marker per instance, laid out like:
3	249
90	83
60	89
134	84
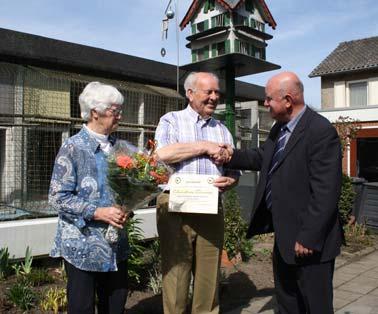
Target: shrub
22	295
26	266
55	299
39	277
357	234
346	200
235	228
155	280
347	128
5	268
135	259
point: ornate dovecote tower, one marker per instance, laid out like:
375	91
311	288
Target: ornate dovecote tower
220	27
228	38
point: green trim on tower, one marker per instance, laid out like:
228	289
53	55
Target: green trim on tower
194	55
194	28
206	52
206	6
236	45
230	100
227	46
214	50
249	6
211	5
206	25
213	21
227	19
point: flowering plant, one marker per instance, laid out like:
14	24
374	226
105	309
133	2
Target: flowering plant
135	177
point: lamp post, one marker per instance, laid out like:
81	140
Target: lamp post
168	15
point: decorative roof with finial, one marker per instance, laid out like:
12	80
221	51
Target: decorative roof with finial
229	5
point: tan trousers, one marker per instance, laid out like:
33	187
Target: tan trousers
190	243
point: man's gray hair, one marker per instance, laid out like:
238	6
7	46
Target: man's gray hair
191	80
98	96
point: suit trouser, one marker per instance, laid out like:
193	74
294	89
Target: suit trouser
303	289
190	243
111	288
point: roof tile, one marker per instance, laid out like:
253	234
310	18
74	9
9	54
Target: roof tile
349	56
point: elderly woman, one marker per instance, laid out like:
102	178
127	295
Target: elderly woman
81	195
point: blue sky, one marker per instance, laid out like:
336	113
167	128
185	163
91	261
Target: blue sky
307	31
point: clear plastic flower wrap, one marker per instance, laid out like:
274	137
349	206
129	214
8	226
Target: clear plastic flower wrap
136	177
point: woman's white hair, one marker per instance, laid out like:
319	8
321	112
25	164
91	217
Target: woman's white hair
98	96
191	80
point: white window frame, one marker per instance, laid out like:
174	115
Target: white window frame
348	91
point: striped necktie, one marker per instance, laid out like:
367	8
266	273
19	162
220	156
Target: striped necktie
277	155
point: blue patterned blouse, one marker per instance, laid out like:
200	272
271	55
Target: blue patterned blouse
78	186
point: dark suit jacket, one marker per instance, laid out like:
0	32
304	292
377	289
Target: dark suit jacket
305	188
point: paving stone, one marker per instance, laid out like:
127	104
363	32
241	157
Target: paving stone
356	287
373	255
251	310
340	278
354	269
371	274
340	261
361	284
369	300
366	263
339	303
357	309
261	306
347	295
374	292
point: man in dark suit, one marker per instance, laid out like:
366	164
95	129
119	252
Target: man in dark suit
297	197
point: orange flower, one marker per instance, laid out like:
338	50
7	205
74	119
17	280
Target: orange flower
124	162
153	162
159	178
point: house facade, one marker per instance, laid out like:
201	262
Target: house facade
349	88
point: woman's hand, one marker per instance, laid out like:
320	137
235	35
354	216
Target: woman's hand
112	215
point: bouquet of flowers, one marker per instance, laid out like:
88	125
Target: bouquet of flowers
136	177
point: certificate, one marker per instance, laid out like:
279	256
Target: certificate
193	193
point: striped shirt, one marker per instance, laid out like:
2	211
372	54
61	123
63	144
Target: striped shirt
187	126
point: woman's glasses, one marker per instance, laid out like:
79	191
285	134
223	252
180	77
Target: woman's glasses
116	112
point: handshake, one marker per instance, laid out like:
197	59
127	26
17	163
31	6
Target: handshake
220	153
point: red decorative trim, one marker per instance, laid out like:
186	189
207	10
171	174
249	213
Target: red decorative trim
188	16
362	133
269	15
194	6
353	157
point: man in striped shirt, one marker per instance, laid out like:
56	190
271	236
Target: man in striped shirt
191	141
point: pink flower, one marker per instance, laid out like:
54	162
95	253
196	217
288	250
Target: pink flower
124	162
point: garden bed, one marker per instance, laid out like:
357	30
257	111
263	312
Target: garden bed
240	284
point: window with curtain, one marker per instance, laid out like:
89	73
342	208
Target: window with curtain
358	94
